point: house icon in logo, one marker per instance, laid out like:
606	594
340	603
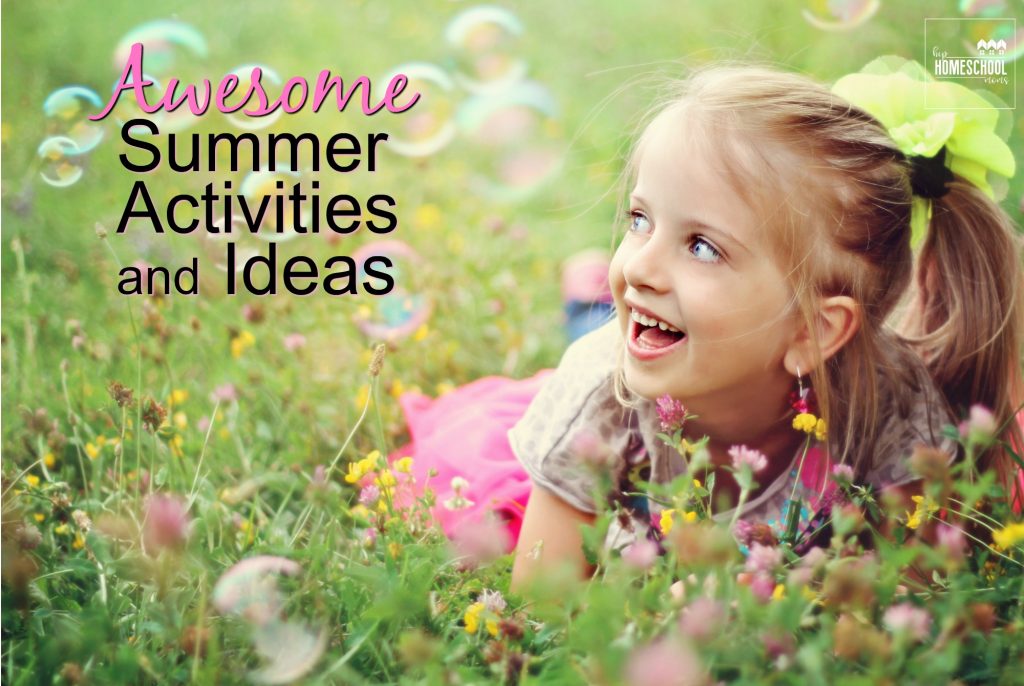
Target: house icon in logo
991	47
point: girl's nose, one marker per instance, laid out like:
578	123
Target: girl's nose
645	266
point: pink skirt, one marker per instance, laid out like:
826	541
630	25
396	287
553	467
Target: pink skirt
464	433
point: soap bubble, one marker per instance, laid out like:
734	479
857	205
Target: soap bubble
516	138
485	40
839	15
166	44
428	126
244	74
406	308
69	109
991	32
61	164
249	590
272	186
291	650
127	107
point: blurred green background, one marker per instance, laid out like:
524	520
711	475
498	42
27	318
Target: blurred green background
490	247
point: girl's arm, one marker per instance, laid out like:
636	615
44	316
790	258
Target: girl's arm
555	525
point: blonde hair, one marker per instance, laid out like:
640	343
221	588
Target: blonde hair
836	194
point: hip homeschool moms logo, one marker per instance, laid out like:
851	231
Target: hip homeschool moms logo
973	52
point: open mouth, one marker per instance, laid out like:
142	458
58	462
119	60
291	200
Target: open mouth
650	334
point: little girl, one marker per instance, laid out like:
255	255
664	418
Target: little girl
767	252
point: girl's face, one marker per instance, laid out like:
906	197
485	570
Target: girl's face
704	310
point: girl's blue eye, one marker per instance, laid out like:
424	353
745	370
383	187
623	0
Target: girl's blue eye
639	223
704	251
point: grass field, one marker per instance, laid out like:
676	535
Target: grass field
241	405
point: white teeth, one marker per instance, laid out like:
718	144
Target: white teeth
651	321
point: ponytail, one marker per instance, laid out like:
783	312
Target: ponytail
966	316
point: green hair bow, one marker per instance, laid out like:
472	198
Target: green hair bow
924	115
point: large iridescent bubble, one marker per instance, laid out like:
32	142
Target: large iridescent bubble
429	126
839	15
68	110
515	139
60	161
249	591
167	43
991	30
485	45
271	84
407	307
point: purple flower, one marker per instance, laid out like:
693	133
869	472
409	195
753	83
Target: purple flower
763	559
906	618
702	619
980	426
225	393
369	495
671	412
294	341
493	601
842	473
952	540
664	663
762	587
742	455
167	522
641	554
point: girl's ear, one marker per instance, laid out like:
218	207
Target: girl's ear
838	318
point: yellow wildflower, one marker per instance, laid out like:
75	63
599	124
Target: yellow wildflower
689	516
32	480
382	506
421	333
92	451
239	343
397	388
427	217
472	617
805	422
177	397
820	430
665	523
696	483
180	420
924	508
403	465
61	529
355	472
394	549
363	395
444	388
175	444
101	440
779	592
39	516
386	479
360	511
1009	536
78	543
49	460
371	460
809	595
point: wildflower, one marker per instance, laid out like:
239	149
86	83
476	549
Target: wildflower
980	427
853	640
480	541
394	549
92	451
952	540
82	520
79	542
403	465
253	313
763	559
39	516
665	523
153	414
369	537
294	342
472	620
702	619
180	420
378	359
167	522
908	619
493	601
385	479
49	460
224	393
177	397
32	480
806	422
779	592
820	430
664	663
671	412
641	554
62	529
369	495
742	455
458	501
240	341
121	394
925	507
842	474
363	395
763	587
1009	536
421	333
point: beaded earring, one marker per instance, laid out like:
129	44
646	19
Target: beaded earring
805	419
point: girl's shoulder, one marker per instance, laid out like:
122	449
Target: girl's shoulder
576	410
